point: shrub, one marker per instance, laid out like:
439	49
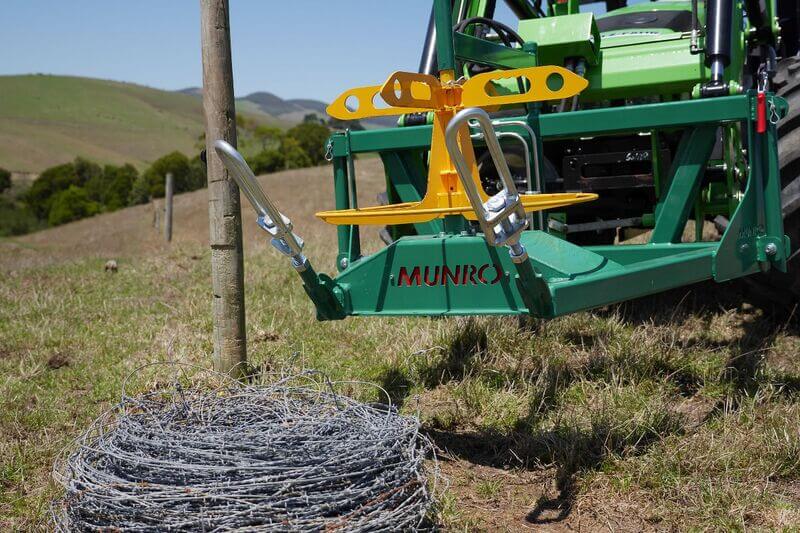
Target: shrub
71	204
140	191
57	179
312	138
49	183
5	180
197	173
188	175
267	161
118	185
268	136
294	154
17	218
86	170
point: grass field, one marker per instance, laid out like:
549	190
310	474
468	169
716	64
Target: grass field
679	412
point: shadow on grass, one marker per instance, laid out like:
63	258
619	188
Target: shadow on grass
461	350
396	384
572	448
762	322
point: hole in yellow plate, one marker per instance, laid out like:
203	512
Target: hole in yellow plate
352	103
378	102
555	81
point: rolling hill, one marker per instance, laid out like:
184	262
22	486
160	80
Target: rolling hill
47	120
291	111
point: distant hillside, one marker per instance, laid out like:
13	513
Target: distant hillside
47	120
288	111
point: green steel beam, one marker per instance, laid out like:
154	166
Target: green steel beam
634	281
409	277
685	178
471	49
574	124
443	20
348	237
757	220
627	255
406	177
645	117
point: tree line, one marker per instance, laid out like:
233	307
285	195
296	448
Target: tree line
82	188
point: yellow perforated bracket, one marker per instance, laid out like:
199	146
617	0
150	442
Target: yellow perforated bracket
407	92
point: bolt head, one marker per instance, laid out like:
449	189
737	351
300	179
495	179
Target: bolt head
771	249
495	204
344	263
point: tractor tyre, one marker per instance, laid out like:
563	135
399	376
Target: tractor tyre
779	287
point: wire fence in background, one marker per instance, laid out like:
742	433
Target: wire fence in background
289	456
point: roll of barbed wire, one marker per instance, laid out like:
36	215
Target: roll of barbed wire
287	456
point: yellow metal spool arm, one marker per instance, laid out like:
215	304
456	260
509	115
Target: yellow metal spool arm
405	92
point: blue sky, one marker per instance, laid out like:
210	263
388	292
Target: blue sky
295	49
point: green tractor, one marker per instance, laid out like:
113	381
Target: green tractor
524	158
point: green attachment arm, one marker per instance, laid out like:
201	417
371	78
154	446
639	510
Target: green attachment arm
685	177
533	290
325	293
472	49
443	20
348	237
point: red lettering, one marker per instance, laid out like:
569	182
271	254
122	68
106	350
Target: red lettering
469	274
499	274
481	274
449	274
431	282
442	275
405	278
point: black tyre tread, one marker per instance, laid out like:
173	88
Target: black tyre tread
789	155
787	81
792	120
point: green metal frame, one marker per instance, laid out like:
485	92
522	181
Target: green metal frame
447	269
406	278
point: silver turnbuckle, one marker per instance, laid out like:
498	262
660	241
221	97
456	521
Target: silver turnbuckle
269	218
502	217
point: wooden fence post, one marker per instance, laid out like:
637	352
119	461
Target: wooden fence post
225	218
169	189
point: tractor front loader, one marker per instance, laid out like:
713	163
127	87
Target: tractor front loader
524	158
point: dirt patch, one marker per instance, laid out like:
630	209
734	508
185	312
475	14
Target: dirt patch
5	353
486	498
265	336
58	360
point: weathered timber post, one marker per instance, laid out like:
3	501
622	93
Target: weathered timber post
169	190
156	213
225	218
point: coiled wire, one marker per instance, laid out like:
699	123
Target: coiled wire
286	456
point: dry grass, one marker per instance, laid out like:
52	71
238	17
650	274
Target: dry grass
678	412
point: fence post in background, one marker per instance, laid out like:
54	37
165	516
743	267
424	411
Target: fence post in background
156	213
169	190
225	217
